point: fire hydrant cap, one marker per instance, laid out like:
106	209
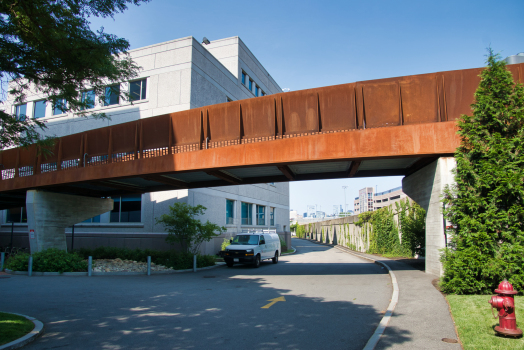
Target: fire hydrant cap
505	288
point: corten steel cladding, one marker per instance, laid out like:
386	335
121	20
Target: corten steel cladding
354	110
504	302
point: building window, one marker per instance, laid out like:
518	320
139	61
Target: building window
137	90
39	109
230	212
20	111
250	85
247	213
229	100
16	215
272	216
112	95
261	215
88	97
127	208
59	107
243	77
263	93
256	90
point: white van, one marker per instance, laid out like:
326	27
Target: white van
253	247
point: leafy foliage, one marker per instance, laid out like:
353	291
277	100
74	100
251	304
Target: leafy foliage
412	226
49	260
184	228
486	205
47	47
171	258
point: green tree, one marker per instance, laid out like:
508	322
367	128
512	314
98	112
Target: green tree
47	47
412	219
486	205
184	228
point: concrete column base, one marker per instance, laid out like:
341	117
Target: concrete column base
426	187
48	215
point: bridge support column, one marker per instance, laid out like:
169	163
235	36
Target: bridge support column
48	215
426	187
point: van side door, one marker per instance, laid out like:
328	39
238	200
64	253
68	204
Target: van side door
263	247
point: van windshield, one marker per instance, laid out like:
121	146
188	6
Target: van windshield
245	240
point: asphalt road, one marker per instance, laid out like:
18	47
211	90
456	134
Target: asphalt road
333	300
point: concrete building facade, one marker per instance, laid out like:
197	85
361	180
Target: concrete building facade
368	200
177	75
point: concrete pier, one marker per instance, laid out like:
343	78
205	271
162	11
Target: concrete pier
426	187
48	215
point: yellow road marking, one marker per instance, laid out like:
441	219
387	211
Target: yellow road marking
272	302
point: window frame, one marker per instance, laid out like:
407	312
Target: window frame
232	217
118	200
17	111
251	84
58	107
243	78
143	89
83	96
106	96
249	218
34	108
261	221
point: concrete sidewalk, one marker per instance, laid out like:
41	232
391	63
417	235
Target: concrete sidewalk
421	318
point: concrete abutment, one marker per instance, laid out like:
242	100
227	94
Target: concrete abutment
48	215
426	187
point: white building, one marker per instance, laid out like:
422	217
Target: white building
370	201
176	75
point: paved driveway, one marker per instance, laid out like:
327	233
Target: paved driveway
333	300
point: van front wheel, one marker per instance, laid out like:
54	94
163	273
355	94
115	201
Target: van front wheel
275	259
257	261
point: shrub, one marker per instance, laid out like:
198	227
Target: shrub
49	260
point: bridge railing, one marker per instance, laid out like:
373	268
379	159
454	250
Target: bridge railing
427	98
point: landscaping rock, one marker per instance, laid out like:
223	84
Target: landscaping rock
119	265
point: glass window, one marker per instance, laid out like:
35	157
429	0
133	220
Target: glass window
127	208
93	219
261	215
256	90
39	109
88	97
112	95
137	89
20	111
247	213
263	93
272	216
230	211
250	85
245	240
243	78
16	215
59	107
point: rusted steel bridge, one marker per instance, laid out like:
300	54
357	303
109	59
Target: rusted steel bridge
372	128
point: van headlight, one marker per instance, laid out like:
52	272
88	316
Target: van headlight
249	251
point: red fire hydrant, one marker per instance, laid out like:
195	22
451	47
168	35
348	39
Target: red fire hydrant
504	302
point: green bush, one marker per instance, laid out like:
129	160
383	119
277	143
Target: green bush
49	260
171	258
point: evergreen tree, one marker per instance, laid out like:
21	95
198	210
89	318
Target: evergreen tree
486	205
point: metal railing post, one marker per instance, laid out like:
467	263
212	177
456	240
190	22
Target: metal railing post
90	266
149	266
30	267
194	263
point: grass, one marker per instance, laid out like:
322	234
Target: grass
474	322
13	327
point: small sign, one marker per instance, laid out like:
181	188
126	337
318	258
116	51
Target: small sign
32	234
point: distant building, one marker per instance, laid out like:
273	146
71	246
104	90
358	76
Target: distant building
370	201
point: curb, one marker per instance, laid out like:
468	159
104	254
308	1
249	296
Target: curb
373	341
115	273
29	337
293	252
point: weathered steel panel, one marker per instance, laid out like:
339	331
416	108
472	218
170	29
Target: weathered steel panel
72	146
419	99
459	89
337	107
223	122
124	136
28	156
258	117
97	142
186	127
381	104
300	112
155	132
9	158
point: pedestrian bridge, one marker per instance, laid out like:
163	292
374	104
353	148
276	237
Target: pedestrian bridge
381	127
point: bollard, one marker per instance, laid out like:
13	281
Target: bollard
2	258
30	267
89	266
194	263
149	266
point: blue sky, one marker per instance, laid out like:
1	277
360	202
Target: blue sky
306	44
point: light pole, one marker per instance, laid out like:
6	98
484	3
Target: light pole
345	205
